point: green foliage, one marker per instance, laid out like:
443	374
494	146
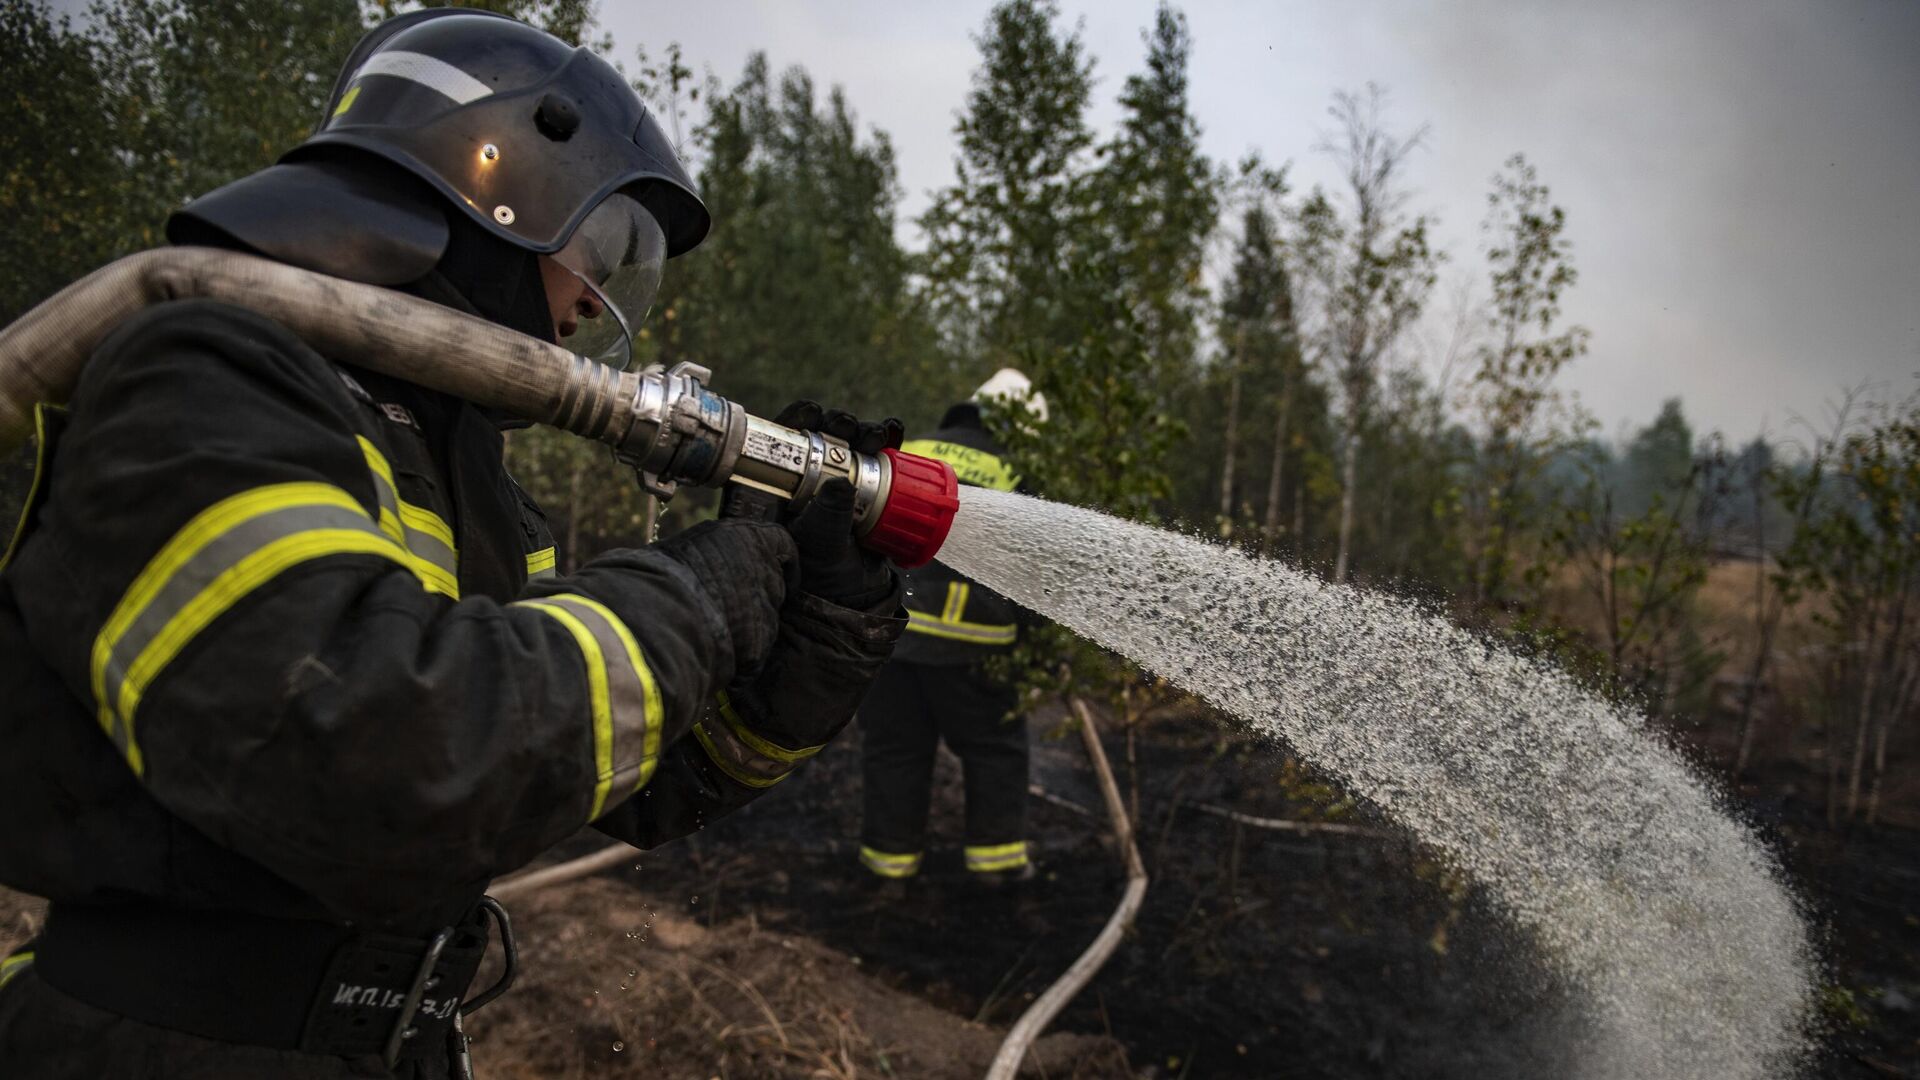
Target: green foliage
1018	208
1642	572
1364	272
1511	395
1857	551
1156	195
154	102
802	290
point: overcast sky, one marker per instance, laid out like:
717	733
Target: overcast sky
1739	175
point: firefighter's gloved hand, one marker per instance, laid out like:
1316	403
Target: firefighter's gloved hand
833	566
748	568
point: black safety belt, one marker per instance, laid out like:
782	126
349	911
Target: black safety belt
315	987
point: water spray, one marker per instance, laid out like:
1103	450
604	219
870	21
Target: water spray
667	425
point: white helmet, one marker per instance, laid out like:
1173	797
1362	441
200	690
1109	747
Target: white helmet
1010	384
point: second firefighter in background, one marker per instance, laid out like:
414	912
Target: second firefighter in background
938	686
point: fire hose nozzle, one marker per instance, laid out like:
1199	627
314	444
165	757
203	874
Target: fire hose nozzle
679	432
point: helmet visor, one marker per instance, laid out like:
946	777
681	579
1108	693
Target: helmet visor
618	253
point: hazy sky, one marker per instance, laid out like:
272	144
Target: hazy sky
1739	175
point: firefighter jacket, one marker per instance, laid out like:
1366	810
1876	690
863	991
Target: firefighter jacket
951	618
280	636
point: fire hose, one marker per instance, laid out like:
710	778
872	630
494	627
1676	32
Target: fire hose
666	425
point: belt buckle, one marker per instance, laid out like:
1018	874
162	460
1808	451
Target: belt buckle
403	1025
403	1028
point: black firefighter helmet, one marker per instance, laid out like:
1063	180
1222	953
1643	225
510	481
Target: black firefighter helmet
541	145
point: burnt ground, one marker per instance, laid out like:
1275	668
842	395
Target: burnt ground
757	948
1257	953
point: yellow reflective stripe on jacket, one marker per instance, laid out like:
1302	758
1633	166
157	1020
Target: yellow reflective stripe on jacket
14	965
226	552
976	467
997	857
889	865
742	754
623	696
426	537
540	563
949	624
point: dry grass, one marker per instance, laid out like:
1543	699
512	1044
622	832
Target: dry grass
612	989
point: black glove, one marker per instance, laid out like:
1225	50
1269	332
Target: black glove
748	568
832	566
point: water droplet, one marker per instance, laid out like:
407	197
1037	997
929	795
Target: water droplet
619	1046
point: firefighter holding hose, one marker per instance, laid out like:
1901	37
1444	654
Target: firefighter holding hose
289	674
938	688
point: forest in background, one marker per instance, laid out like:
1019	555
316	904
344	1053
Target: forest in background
1220	351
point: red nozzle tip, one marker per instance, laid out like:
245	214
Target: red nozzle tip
920	504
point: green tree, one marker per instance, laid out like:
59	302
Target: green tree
1018	209
1261	366
1159	199
1658	460
1365	271
802	289
1522	417
153	103
1858	552
1643	571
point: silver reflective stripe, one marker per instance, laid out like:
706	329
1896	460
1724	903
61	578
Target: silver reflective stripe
432	73
623	697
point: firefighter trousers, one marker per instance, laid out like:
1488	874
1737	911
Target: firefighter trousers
909	710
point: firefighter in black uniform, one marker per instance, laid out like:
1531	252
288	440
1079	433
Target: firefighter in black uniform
288	673
937	687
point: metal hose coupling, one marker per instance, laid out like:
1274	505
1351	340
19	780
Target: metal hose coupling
679	432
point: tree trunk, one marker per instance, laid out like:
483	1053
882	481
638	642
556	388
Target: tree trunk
1869	685
1299	517
1270	531
1231	455
1767	617
1349	471
1879	769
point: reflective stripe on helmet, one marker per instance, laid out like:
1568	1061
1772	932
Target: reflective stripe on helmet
430	72
220	557
623	697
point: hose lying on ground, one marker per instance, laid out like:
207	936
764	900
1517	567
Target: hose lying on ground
1006	1063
